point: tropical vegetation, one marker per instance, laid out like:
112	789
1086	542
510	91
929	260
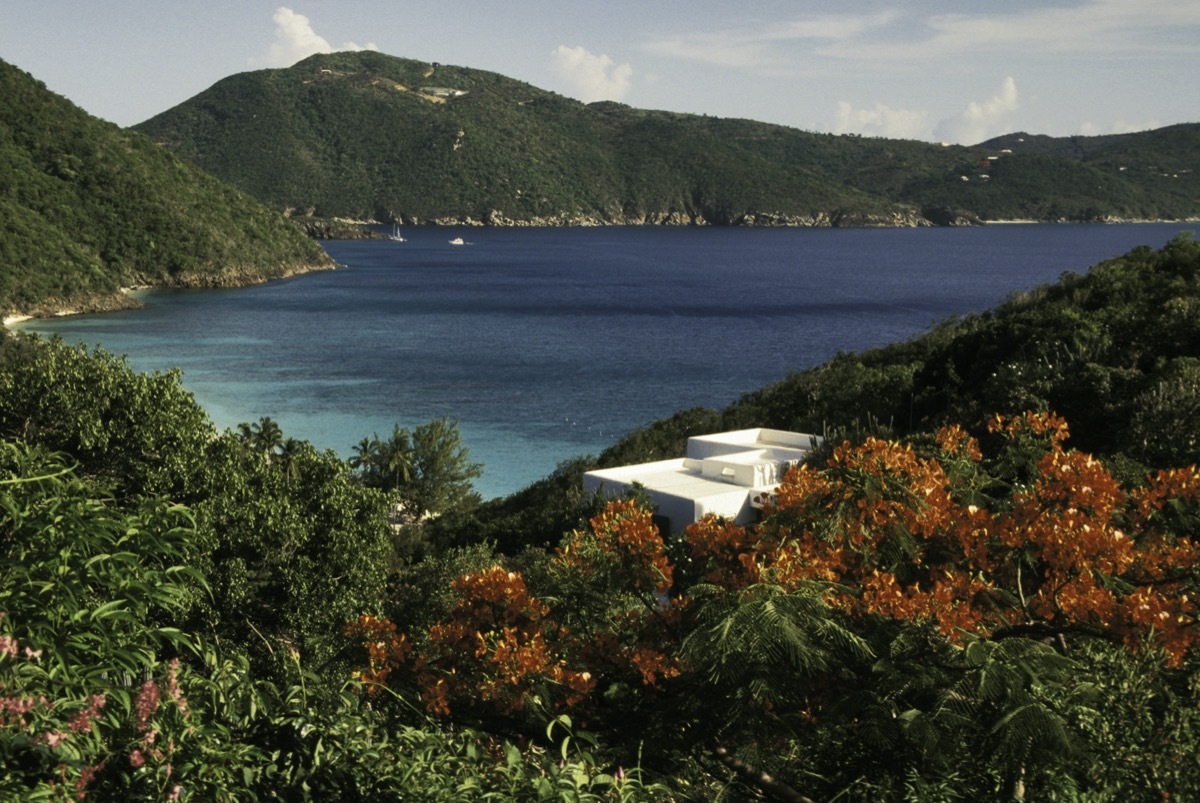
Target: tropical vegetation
983	587
88	209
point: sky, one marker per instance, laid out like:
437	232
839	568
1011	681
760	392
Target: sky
933	70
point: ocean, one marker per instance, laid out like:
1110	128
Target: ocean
546	344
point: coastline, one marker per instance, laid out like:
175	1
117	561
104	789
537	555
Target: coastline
352	230
127	297
1108	221
123	299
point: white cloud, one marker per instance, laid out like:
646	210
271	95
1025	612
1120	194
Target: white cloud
592	77
295	39
1103	27
881	121
980	121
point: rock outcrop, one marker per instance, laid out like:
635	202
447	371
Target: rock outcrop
824	219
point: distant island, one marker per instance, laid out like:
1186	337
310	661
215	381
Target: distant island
369	137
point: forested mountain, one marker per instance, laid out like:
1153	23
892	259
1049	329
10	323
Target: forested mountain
369	136
88	208
365	135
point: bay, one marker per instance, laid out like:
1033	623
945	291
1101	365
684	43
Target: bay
550	343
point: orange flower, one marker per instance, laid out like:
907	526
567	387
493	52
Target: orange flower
498	646
622	542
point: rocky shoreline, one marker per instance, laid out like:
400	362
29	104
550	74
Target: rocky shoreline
125	298
57	308
342	229
319	228
832	219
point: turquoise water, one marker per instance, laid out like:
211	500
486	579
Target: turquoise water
550	343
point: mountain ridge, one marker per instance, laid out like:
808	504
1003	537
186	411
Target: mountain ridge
368	136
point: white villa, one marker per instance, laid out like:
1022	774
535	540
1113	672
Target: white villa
723	474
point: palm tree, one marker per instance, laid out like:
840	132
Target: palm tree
289	457
266	437
366	458
396	458
245	435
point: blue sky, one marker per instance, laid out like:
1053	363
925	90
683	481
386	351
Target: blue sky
936	71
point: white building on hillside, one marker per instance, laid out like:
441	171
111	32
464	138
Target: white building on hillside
723	474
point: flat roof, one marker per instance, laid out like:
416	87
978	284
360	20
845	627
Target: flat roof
673	477
707	478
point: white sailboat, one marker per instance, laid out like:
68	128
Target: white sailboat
395	236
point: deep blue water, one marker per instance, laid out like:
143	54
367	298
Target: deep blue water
550	343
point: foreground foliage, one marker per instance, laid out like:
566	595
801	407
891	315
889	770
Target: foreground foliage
100	696
974	610
290	544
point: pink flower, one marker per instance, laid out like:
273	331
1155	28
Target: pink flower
18	706
53	738
173	688
147	703
84	720
136	759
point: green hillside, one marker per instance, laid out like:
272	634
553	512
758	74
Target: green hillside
1151	175
88	208
369	136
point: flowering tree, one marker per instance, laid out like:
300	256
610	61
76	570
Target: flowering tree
973	580
949	588
499	646
1067	551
